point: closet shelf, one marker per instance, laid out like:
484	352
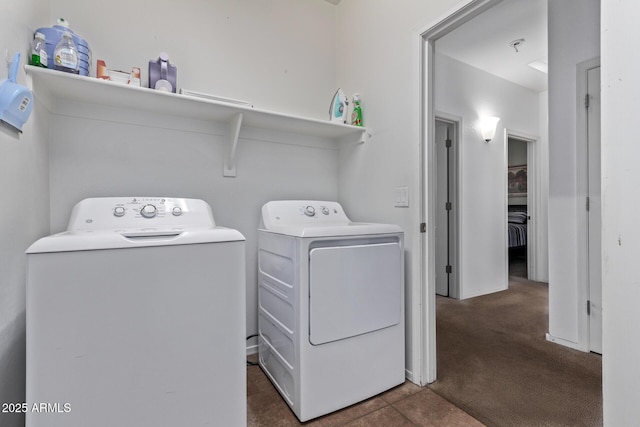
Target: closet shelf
59	85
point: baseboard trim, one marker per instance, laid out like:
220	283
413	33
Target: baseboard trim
409	376
485	292
566	343
252	349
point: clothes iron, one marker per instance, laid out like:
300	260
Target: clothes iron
16	101
338	108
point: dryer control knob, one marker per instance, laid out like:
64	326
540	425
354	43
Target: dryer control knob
176	211
148	211
118	211
310	211
325	210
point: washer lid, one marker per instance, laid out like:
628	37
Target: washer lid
309	218
87	240
130	222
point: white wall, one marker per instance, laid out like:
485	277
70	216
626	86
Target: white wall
517	152
110	155
470	93
574	28
377	55
24	194
517	156
278	54
620	227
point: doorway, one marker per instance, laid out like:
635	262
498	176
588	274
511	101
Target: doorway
518	217
590	223
429	188
446	256
523	201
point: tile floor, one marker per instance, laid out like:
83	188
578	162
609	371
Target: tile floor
405	405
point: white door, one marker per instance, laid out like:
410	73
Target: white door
445	215
353	290
594	211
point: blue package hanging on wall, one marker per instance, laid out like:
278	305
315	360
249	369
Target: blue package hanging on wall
16	101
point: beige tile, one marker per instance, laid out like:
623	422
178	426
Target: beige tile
427	409
265	406
349	413
257	381
405	405
267	409
400	392
385	417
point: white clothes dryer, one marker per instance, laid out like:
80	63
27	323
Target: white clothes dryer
331	306
136	317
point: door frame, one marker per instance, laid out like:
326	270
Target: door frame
425	39
533	199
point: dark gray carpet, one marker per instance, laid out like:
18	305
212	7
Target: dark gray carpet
495	363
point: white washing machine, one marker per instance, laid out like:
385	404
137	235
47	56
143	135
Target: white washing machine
136	317
331	306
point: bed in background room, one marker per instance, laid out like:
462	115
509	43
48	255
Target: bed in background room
517	226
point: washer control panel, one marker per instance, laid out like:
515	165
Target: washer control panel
329	210
309	210
286	212
139	212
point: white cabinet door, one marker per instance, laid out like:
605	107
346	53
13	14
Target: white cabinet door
595	221
353	290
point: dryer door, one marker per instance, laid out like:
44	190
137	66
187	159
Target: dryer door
353	290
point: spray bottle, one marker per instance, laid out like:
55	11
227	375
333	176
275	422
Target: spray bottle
356	114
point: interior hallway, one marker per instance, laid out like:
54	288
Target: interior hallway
495	363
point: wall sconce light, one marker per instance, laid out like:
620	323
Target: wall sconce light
488	127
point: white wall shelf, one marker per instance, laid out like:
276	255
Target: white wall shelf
59	85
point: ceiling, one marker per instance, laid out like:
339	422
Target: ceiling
483	42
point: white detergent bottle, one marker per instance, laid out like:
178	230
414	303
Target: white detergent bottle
65	56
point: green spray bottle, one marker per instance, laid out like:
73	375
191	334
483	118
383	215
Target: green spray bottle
356	114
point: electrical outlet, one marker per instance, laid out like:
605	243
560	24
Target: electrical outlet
402	197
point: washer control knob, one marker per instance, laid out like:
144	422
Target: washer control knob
118	211
148	211
325	210
176	211
310	211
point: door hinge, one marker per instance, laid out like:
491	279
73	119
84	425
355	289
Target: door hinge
423	227
588	204
586	101
447	206
448	269
588	308
448	143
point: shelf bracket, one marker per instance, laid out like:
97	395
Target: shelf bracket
233	131
365	135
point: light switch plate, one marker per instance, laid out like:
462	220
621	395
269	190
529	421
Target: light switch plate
402	197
